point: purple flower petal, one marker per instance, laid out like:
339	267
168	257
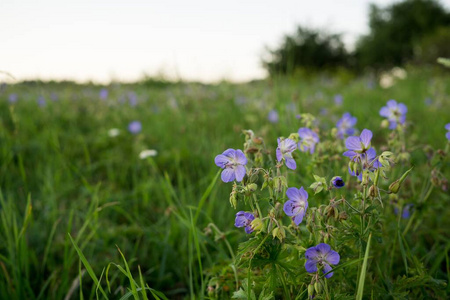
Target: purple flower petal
402	108
326	269
353	143
241	220
350	153
303	195
447	126
366	137
221	160
299	217
227	175
392	124
248	229
240	157
447	135
293	194
323	248
291	208
290	163
392	104
333	257
279	155
385	112
239	172
312	253
311	266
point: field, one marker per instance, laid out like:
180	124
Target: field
84	216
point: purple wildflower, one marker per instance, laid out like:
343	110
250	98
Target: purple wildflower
406	212
13	98
308	140
337	182
369	162
284	150
447	135
297	204
132	99
338	99
54	96
321	256
41	101
394	112
135	127
103	94
233	162
360	152
428	101
345	125
358	144
244	219
273	116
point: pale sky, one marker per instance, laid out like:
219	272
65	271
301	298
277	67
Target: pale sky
202	40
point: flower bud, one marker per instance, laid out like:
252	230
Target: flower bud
395	186
384	123
317	187
365	177
211	292
256	224
318	287
334	131
343	216
337	182
233	199
249	189
373	191
310	291
279	233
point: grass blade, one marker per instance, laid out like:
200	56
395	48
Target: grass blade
362	276
87	266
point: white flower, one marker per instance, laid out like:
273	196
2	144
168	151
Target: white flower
386	80
147	153
398	73
113	132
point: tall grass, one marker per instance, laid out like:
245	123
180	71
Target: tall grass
70	193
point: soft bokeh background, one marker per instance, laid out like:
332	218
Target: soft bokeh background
127	161
190	40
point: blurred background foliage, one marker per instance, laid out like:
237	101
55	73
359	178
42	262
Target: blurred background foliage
411	31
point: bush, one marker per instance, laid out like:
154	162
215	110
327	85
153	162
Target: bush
307	49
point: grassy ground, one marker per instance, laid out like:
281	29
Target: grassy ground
61	173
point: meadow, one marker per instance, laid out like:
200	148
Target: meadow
86	214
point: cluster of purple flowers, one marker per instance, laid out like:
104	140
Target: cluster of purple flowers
394	112
346	125
360	152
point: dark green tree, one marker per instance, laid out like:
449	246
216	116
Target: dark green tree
307	49
397	29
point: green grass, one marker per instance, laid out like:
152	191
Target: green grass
71	193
